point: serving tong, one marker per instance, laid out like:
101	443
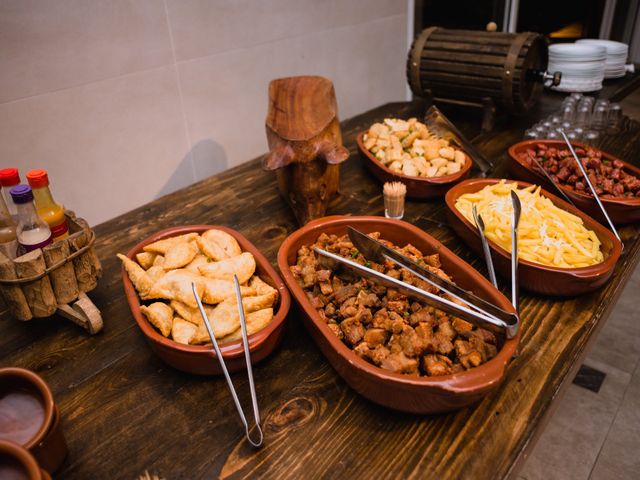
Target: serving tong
245	343
591	187
479	311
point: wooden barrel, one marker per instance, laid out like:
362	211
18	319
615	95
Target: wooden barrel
474	65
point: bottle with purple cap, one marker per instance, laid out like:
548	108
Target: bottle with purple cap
32	231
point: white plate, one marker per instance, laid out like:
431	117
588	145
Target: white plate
611	46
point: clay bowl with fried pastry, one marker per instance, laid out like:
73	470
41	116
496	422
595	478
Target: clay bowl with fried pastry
409	393
417	187
620	210
544	279
201	359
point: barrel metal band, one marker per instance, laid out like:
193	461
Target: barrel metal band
510	67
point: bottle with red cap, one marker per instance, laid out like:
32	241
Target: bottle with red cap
9	178
49	211
32	231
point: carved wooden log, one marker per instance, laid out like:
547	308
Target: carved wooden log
13	295
83	265
63	278
91	253
305	143
38	293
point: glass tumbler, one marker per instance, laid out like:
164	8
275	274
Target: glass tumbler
583	116
614	117
599	118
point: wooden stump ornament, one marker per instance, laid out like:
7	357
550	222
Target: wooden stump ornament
305	143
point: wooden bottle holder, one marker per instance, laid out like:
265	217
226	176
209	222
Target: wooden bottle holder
55	279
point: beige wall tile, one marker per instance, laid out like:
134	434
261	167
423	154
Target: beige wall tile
225	96
206	27
109	146
49	45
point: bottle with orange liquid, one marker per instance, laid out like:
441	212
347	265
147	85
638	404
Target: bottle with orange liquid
48	210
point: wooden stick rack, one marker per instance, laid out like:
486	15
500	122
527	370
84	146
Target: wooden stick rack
54	279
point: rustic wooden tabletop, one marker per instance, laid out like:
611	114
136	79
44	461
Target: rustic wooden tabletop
125	412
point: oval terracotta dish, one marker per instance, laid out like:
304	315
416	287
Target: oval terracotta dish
201	359
417	187
409	393
539	278
621	210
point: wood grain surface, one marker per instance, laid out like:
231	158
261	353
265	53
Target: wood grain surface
125	412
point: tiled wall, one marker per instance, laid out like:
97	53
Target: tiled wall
126	100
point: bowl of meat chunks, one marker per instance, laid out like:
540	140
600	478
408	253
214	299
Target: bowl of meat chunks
617	182
393	350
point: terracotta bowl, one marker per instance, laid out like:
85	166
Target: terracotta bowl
17	462
48	444
201	359
621	210
408	393
417	187
538	278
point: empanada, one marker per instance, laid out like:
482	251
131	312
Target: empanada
256	321
197	262
140	279
145	259
243	265
223	240
161	246
262	287
211	249
182	331
215	291
158	261
179	255
225	318
176	285
160	315
156	272
190	314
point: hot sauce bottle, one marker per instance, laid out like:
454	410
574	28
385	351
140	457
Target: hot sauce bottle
49	211
9	178
32	231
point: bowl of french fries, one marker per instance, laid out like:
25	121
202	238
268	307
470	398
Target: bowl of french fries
158	275
407	151
561	250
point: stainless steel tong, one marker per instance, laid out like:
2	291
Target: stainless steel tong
485	245
245	343
591	187
479	311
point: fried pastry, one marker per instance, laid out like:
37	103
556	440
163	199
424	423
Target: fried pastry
182	331
243	265
156	272
262	287
211	249
256	321
160	315
179	255
225	241
161	246
145	259
215	291
197	262
176	285
158	261
140	279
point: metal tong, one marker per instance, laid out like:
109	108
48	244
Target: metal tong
515	221
550	180
591	187
440	125
485	245
245	343
479	312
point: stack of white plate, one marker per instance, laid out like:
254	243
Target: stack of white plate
617	52
582	66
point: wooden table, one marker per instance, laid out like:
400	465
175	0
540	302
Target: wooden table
125	412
